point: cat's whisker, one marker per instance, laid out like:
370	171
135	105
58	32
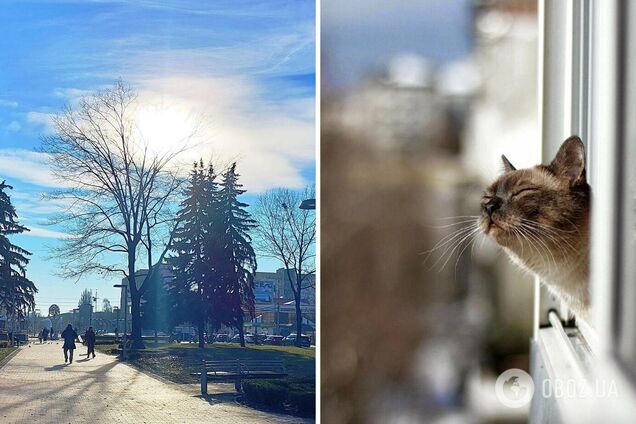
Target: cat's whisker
470	242
557	239
450	242
547	232
447	239
453	224
535	246
531	233
456	246
550	227
516	233
457	217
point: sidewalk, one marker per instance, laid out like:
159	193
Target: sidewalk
37	387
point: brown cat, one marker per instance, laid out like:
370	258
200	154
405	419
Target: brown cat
540	217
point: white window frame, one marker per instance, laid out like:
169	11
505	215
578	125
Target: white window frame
585	52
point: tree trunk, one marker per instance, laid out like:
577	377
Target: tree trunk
135	318
135	301
299	319
241	332
201	332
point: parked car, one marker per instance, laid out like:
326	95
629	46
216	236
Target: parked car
249	338
290	340
183	337
222	338
274	340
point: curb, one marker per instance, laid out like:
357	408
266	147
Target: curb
7	358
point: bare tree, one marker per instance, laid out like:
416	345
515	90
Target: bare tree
120	192
287	233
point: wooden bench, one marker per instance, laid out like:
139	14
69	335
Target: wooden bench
237	370
20	338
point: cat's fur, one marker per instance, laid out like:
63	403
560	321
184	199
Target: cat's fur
540	217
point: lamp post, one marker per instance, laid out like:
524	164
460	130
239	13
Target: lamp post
125	286
308	204
116	310
280	299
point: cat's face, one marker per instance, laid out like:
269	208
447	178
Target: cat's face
539	206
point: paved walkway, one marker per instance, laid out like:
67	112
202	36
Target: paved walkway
37	387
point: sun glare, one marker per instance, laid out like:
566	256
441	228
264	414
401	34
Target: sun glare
164	128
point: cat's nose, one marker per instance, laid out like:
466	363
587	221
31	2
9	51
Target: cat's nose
492	205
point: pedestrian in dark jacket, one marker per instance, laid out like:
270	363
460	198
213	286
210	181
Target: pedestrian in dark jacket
69	335
89	339
45	334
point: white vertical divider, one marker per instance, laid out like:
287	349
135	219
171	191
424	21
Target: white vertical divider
555	57
604	136
540	71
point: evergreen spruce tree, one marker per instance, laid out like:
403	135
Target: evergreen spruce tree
237	261
188	264
213	294
16	290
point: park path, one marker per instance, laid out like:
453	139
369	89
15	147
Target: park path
37	387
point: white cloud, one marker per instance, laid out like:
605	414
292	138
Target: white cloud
272	142
8	103
34	203
26	166
14	126
41	118
45	233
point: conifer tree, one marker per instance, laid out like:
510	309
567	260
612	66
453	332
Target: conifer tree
190	265
237	261
16	290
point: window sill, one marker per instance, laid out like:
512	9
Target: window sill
574	382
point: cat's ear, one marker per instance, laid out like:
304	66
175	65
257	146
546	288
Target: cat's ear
507	165
569	162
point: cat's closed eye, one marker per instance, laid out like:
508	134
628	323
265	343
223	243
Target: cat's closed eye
524	190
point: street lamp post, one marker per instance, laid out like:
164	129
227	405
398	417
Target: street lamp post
308	204
125	286
116	309
280	299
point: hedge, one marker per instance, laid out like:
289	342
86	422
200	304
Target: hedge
304	402
298	395
266	393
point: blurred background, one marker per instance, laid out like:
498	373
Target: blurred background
419	101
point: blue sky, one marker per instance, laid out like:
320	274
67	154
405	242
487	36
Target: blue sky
247	67
440	30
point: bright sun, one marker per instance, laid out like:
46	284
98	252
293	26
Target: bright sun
164	128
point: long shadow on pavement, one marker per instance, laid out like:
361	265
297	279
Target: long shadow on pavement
216	398
55	367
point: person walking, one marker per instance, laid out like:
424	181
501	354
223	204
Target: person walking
89	339
69	335
40	337
45	334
